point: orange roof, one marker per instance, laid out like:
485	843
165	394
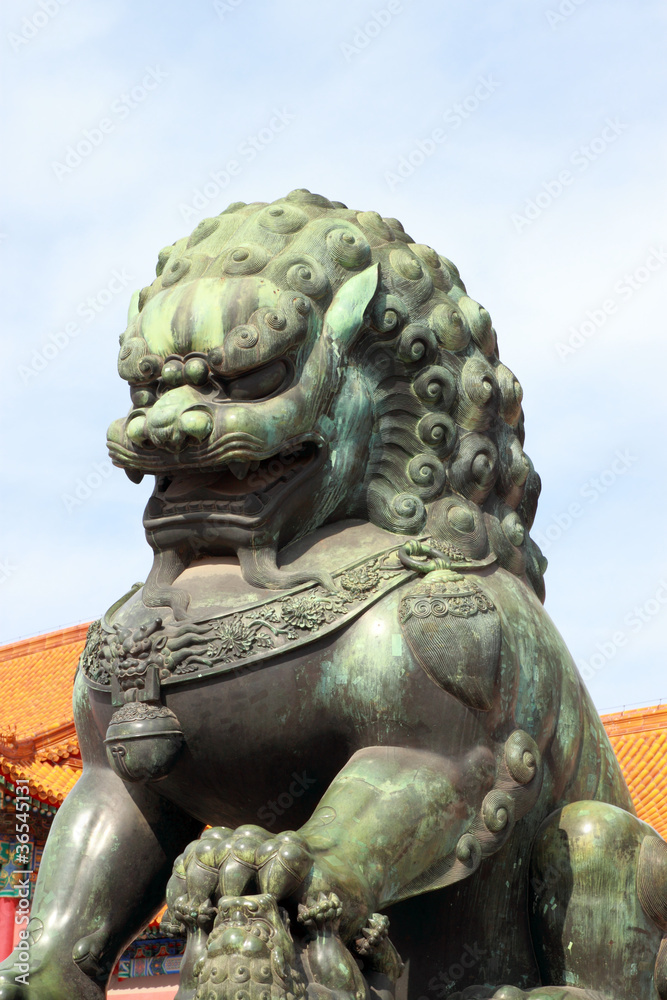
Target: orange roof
36	677
37	737
639	739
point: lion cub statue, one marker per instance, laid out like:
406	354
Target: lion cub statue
335	728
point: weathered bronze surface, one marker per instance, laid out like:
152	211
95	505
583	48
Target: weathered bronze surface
339	661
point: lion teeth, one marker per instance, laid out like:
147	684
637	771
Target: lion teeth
134	475
252	504
239	469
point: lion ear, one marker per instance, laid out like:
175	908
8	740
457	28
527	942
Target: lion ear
345	315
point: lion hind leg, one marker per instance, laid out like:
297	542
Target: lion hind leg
591	932
652	892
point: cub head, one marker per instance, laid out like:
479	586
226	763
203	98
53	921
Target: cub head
299	363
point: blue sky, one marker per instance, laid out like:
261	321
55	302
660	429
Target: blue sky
524	141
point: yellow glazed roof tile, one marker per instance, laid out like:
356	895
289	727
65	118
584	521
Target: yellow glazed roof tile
38	742
36	678
48	782
639	739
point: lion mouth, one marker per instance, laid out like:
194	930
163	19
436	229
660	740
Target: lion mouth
243	487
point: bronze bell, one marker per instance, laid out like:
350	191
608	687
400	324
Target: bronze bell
143	741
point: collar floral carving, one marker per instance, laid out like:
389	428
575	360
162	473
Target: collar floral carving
135	662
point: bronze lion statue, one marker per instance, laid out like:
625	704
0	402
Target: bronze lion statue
335	728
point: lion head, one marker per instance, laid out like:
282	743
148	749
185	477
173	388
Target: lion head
298	363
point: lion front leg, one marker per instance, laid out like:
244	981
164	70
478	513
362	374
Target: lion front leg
391	816
390	819
101	880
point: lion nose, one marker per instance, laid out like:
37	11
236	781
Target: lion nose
173	423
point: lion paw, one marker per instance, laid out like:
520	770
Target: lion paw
377	950
225	865
324	914
373	934
283	863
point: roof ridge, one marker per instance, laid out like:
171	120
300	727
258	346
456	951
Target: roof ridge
50	640
638	720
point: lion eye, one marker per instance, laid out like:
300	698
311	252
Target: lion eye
258	384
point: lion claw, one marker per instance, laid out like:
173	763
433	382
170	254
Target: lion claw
324	914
